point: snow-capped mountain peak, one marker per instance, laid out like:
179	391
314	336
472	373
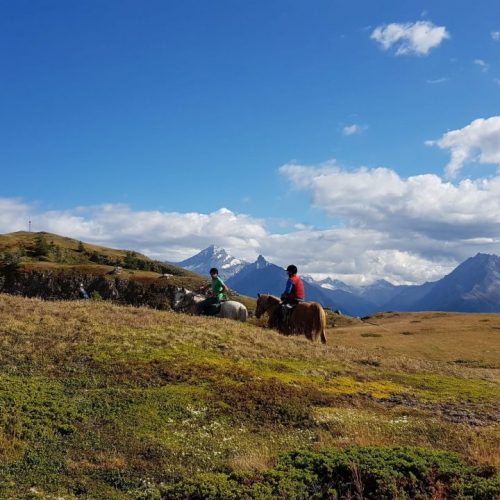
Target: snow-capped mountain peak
213	256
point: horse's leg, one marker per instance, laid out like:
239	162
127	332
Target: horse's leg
323	336
272	319
278	320
242	313
322	324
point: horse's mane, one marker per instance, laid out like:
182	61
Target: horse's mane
271	299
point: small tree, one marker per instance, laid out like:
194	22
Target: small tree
81	247
130	260
58	253
42	248
9	261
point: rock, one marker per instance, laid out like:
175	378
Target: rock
53	285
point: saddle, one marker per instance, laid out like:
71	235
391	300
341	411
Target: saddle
214	309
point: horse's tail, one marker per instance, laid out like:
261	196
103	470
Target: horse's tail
243	313
321	326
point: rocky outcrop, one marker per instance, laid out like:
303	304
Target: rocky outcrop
52	285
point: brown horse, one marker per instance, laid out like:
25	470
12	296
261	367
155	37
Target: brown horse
306	318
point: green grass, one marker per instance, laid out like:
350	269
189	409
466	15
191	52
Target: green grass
439	387
69	256
103	401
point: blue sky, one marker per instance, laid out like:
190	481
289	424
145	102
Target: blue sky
359	139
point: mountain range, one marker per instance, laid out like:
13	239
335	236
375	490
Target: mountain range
473	286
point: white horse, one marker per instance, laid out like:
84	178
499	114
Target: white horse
189	302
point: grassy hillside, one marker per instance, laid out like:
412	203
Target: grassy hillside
104	401
58	253
71	258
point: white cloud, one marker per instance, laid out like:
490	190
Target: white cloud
354	255
495	35
482	64
477	142
162	235
354	129
423	204
437	80
406	230
410	38
14	215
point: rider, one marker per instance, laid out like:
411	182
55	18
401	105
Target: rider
293	294
209	306
294	290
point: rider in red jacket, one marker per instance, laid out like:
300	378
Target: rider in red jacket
294	290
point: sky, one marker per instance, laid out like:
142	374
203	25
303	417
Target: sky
355	139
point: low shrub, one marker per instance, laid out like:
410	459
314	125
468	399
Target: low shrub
266	402
95	295
356	472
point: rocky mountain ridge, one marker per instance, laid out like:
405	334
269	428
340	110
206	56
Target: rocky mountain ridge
474	286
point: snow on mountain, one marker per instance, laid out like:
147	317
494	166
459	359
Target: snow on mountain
213	256
474	286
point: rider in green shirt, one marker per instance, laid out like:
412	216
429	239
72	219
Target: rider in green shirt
219	289
209	306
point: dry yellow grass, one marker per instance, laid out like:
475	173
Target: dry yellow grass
100	391
470	339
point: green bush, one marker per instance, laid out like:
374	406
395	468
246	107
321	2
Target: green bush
356	472
10	261
269	402
42	247
207	485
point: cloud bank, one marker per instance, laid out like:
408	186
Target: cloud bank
406	230
383	226
162	235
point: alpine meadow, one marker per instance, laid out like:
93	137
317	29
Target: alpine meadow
250	250
107	400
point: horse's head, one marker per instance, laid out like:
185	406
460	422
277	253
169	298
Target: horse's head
182	298
186	301
264	302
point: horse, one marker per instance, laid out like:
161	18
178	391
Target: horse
306	318
189	302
